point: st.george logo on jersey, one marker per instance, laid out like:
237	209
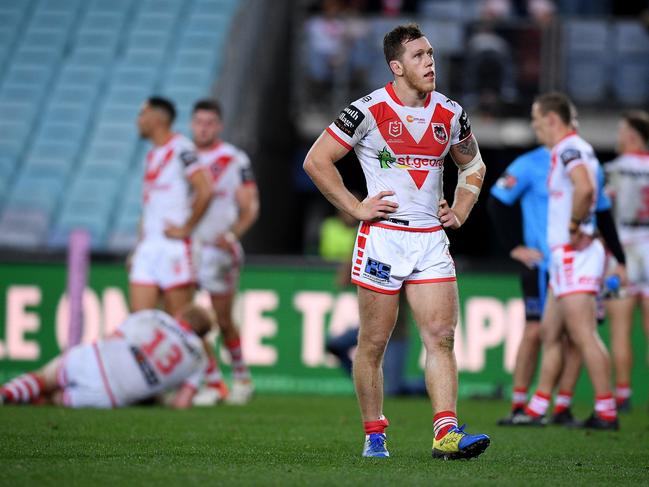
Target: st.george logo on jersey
395	129
439	132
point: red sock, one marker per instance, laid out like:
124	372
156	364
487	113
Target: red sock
519	398
562	401
24	388
605	407
442	422
538	405
377	426
622	393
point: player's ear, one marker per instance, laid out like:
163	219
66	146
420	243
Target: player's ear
396	67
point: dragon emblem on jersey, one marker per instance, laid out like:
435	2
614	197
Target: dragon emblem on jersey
395	129
385	158
439	132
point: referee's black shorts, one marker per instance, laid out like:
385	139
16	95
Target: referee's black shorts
534	284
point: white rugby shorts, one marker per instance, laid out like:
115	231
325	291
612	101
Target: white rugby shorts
219	269
163	262
82	377
637	267
386	257
577	271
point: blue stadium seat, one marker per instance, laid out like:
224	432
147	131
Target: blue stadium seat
13	92
92	57
127	96
171	7
17	111
7	166
35	192
28	76
72	74
144	57
45	38
155	21
69	94
189	58
112	151
98	39
59	5
120	114
61	131
149	40
112	6
23	227
631	47
189	77
142	77
60	149
10	129
110	21
44	166
69	112
59	20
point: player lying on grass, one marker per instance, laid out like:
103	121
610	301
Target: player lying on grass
150	353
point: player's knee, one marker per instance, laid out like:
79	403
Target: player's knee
373	345
532	332
439	338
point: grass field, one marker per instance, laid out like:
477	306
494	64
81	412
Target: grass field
281	441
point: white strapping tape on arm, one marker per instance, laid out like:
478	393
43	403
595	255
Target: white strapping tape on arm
473	167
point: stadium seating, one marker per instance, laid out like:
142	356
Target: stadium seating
73	75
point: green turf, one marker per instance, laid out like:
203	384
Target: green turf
303	441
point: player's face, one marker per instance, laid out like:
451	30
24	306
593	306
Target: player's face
419	65
540	124
206	127
146	120
622	136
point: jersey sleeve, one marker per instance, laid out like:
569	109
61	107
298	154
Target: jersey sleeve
461	128
246	174
513	183
189	159
571	158
351	125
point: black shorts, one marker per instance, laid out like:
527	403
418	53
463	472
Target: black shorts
534	283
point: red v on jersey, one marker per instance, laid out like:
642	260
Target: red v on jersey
152	173
218	166
401	142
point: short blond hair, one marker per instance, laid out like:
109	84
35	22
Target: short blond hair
198	318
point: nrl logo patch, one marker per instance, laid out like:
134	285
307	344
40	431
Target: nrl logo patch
439	132
395	129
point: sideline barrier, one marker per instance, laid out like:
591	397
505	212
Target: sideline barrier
285	314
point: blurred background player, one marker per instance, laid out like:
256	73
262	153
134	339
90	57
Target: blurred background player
176	193
576	265
233	209
401	238
628	183
149	353
525	180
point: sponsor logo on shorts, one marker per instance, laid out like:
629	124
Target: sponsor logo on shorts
377	271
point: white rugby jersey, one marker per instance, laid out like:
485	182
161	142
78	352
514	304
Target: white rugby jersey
628	182
166	189
228	168
151	352
570	152
402	149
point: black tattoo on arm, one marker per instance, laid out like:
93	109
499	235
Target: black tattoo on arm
468	147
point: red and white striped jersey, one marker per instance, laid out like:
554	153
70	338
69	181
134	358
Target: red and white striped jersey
402	149
228	168
166	189
151	352
628	183
567	154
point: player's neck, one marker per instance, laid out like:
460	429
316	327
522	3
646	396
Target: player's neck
209	146
561	134
161	137
409	96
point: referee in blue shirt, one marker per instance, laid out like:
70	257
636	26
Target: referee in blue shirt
525	182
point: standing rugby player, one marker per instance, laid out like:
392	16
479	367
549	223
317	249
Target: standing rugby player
401	134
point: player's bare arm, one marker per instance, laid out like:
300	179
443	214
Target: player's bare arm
320	165
527	256
247	197
471	171
582	198
202	194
